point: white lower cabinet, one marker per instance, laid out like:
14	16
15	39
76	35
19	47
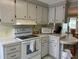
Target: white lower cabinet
54	46
44	49
12	51
44	46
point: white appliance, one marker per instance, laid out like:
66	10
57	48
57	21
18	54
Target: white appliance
31	48
31	45
10	49
46	30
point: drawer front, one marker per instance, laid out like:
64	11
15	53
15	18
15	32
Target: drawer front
44	39
12	44
53	41
16	55
45	44
12	49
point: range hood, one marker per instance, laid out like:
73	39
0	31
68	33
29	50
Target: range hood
25	22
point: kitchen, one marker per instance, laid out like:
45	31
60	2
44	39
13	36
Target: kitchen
38	29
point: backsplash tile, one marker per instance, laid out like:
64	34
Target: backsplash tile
6	31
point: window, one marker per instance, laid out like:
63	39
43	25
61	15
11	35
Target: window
64	27
72	23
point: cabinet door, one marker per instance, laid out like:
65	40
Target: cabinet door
21	9
45	16
39	14
38	44
0	12
60	14
54	46
51	15
31	11
7	11
44	49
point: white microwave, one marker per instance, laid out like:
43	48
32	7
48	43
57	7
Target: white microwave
46	30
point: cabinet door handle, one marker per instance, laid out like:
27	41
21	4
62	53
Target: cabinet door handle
13	56
24	16
13	49
0	20
12	20
29	16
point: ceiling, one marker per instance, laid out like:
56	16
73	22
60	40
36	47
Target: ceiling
50	2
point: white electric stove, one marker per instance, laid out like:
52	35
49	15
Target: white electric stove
31	44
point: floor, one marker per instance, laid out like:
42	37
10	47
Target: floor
50	57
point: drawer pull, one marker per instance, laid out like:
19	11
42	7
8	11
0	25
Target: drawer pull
13	49
0	20
13	56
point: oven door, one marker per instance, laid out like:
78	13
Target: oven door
29	48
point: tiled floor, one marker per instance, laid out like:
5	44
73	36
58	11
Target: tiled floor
48	57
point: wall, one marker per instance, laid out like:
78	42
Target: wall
6	31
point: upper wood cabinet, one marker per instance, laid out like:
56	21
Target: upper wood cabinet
31	11
39	14
7	11
60	14
42	15
21	9
45	16
25	10
52	15
57	14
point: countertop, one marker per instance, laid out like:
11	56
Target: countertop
44	34
64	38
4	41
69	39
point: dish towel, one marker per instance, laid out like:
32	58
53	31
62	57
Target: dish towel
32	45
66	54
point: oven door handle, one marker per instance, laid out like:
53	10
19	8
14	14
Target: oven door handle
25	42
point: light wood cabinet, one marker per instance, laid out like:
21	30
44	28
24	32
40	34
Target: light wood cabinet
31	11
21	9
39	14
52	15
57	14
25	10
42	15
60	14
45	16
7	11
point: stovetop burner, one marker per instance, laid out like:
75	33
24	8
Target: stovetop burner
26	37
